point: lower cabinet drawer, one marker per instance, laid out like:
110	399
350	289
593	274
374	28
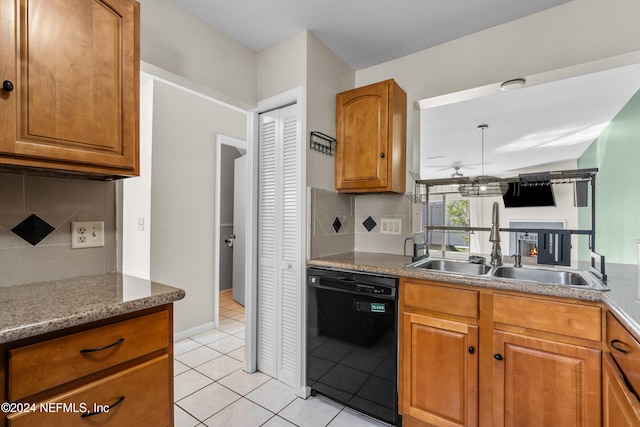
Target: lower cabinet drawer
561	318
37	367
138	396
441	299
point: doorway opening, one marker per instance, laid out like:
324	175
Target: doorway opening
230	225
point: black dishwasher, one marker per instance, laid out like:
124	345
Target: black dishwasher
352	340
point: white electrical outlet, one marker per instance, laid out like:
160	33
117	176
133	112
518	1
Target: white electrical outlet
87	234
391	226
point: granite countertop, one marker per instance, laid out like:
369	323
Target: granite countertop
37	308
622	294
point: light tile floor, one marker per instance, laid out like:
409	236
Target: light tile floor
211	389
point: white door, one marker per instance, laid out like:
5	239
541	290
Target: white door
279	238
239	227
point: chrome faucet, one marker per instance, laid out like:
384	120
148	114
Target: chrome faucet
494	237
420	249
518	255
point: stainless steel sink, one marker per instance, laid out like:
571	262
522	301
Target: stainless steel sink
451	266
534	274
543	275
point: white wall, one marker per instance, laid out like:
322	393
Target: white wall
327	75
177	41
182	197
282	67
136	244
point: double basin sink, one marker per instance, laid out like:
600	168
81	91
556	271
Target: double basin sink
553	276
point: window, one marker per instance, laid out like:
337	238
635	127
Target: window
452	211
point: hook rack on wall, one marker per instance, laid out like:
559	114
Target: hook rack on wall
322	143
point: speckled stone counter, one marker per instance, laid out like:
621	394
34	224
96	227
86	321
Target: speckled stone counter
622	296
37	308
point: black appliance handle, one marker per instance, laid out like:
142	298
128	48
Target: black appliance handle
350	287
371	307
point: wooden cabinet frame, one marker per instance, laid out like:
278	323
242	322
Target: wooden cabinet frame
77	382
75	66
371	129
517	322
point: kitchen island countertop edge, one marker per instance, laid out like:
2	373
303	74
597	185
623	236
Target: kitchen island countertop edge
37	308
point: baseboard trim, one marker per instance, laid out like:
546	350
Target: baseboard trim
178	336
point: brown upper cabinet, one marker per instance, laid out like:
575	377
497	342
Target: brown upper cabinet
70	75
371	129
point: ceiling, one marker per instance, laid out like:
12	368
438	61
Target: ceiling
362	32
528	128
531	127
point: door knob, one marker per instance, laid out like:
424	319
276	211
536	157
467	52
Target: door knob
497	356
230	240
382	155
7	86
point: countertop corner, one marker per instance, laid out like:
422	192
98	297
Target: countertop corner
38	308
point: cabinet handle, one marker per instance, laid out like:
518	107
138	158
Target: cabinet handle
7	86
382	155
497	356
472	350
91	350
621	350
103	409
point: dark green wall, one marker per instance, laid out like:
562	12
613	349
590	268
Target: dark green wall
616	153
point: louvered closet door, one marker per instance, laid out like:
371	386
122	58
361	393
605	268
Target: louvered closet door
279	249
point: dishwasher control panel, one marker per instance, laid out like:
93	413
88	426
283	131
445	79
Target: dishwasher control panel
373	289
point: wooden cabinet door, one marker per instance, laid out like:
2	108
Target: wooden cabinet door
75	70
362	128
440	371
544	383
620	407
371	134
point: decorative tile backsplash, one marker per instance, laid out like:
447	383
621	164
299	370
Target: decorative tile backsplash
369	223
35	227
337	224
333	220
345	223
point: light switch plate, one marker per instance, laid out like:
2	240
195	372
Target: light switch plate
87	234
391	226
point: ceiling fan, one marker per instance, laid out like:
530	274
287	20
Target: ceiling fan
457	165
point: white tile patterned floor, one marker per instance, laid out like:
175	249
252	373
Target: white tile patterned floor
211	389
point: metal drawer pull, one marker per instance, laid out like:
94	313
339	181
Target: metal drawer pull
91	350
471	350
103	409
621	350
497	356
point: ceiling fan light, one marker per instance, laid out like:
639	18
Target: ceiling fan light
456	174
484	186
